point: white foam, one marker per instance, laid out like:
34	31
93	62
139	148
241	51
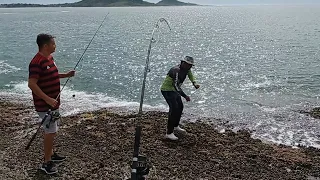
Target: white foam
287	135
6	68
20	93
8	13
234	73
82	101
250	85
268	109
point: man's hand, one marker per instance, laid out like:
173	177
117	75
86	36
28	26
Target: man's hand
197	86
71	73
188	99
52	102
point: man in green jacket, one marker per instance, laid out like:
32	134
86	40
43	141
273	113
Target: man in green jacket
172	92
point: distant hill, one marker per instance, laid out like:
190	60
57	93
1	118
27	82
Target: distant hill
103	3
87	3
108	3
174	3
18	5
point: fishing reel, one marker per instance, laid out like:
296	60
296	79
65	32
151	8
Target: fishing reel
143	167
54	116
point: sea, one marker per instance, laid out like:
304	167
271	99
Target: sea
258	65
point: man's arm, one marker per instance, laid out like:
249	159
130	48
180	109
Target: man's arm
176	85
192	79
63	75
66	75
32	84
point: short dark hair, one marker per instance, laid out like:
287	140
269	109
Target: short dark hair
43	39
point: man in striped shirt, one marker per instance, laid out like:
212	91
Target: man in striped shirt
44	81
172	92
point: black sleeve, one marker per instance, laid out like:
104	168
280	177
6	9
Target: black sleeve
176	85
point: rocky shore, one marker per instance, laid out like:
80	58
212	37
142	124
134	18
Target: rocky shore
99	145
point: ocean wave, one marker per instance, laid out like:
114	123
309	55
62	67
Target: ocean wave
6	68
74	101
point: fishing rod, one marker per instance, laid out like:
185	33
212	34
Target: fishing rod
139	164
55	116
146	70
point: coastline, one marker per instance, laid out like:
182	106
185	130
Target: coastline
99	145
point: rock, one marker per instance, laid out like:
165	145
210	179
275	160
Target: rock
100	146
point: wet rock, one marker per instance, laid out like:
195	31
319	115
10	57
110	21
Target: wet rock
315	112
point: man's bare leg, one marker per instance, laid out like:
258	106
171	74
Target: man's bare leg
48	146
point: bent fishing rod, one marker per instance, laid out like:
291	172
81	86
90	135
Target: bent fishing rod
49	111
146	70
135	171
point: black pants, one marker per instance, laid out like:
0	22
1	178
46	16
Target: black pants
175	109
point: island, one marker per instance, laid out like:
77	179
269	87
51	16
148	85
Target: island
174	3
102	3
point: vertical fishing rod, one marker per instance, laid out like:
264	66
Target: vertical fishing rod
49	111
135	162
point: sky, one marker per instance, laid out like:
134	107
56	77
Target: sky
203	2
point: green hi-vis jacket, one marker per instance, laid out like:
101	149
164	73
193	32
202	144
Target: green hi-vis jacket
175	78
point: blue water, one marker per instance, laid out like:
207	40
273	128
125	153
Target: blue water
257	65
